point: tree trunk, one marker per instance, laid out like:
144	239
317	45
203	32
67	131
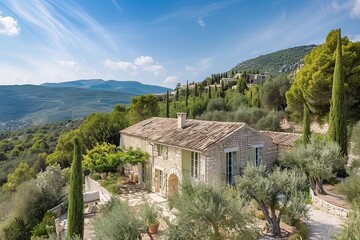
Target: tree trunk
313	185
276	230
149	234
320	187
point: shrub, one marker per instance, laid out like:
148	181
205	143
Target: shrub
111	226
260	216
217	104
48	223
17	230
270	123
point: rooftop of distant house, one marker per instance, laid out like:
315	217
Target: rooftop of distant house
284	139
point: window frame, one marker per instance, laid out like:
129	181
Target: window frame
195	164
258	154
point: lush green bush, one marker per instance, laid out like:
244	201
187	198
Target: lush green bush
271	122
108	157
217	104
47	225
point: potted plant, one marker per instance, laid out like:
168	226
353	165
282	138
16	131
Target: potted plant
150	213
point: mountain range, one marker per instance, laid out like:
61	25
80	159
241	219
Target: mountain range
24	105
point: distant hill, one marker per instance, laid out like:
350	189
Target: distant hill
277	62
128	87
24	105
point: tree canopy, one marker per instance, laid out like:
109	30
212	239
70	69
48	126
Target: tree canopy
143	107
206	211
313	83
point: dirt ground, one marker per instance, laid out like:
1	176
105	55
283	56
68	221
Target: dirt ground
334	198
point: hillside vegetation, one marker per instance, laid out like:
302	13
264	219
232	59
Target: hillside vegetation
25	105
273	62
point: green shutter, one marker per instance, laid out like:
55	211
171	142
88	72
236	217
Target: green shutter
164	184
148	176
262	160
223	167
252	155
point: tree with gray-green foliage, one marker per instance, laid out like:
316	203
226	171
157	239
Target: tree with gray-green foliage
319	160
76	202
355	140
278	188
118	222
351	228
306	134
337	119
206	211
272	93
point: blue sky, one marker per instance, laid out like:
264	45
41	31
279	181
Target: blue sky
156	42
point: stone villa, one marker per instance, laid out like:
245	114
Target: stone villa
206	151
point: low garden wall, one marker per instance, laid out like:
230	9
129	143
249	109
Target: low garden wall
328	207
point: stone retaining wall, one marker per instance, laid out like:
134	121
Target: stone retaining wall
328	207
92	185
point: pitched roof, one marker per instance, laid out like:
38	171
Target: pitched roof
197	135
282	138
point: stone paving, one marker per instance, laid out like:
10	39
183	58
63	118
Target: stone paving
322	224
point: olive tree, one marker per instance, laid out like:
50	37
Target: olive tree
280	189
206	211
319	160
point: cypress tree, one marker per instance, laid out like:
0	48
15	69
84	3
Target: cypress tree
187	93
306	126
76	202
337	121
177	94
196	90
209	92
167	105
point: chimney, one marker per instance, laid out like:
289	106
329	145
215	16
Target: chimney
181	120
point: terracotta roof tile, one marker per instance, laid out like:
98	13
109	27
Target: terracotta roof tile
197	135
282	138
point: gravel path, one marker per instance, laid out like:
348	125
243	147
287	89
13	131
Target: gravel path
322	224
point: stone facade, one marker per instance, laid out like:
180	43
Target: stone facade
242	142
166	169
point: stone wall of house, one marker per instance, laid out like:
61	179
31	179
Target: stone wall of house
244	139
328	207
169	163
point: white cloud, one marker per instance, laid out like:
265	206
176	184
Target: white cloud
71	64
143	60
355	8
156	69
355	38
200	67
9	26
125	66
169	80
201	22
